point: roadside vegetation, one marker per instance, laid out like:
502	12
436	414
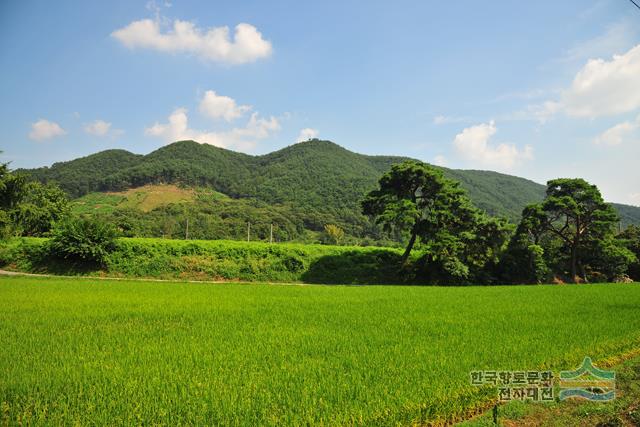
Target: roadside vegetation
204	260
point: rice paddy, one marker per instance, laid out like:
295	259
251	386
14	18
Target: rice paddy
88	351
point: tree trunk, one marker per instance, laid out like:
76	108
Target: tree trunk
412	241
574	262
584	273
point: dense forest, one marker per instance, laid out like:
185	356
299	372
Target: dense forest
302	188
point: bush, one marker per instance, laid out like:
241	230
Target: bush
85	240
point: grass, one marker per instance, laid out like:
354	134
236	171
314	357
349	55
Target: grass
145	198
97	202
88	351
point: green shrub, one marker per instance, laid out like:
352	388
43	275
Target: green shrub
24	253
81	239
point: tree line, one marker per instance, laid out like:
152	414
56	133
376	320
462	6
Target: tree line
570	236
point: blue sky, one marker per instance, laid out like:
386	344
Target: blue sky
540	89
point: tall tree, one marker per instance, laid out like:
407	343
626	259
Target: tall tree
575	212
414	199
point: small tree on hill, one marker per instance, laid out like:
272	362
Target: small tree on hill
335	233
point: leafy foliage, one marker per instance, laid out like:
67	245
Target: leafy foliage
571	234
575	212
27	207
206	260
82	239
460	242
631	239
41	207
335	233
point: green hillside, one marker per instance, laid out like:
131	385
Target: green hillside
80	176
312	183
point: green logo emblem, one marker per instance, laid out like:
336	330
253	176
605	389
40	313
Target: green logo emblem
588	382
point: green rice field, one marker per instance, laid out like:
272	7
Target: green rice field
89	351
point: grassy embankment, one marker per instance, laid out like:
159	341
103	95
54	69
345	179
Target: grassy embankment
218	260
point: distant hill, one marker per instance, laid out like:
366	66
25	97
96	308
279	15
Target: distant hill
320	180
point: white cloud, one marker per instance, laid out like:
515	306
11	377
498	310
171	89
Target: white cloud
603	88
473	144
600	88
634	199
619	133
217	106
307	134
440	160
97	128
213	44
244	138
44	129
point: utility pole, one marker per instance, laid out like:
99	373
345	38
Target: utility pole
248	231
186	232
271	233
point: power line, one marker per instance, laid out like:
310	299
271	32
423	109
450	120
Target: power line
635	4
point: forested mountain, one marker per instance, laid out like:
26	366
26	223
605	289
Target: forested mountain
319	180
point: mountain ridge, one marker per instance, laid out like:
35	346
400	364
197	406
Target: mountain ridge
317	174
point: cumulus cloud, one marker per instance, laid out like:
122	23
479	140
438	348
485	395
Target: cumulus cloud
97	128
212	44
473	144
239	138
634	199
619	133
221	107
600	88
603	88
307	134
44	129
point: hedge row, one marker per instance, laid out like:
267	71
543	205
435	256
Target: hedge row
215	260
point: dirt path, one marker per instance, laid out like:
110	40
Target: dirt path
143	279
